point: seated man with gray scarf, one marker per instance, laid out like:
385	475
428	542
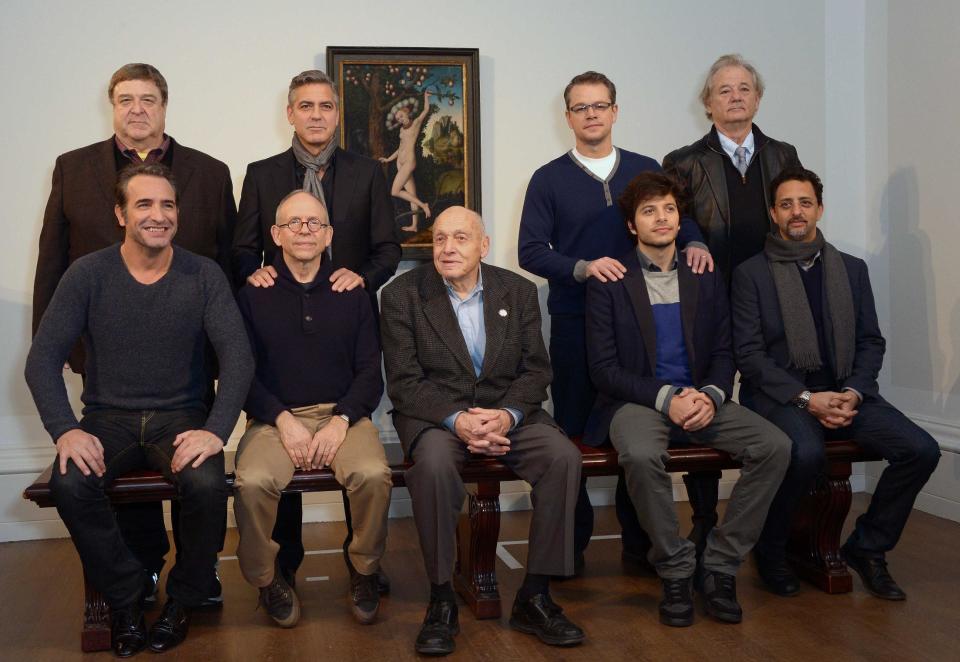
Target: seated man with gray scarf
809	349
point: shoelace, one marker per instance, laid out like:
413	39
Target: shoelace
725	584
677	591
365	588
276	593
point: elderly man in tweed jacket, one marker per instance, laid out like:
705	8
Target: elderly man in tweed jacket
467	372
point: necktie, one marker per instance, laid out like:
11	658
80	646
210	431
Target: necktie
740	160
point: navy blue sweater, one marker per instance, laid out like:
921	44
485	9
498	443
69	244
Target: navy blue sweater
312	345
570	215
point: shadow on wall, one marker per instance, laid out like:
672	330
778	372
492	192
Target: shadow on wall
912	343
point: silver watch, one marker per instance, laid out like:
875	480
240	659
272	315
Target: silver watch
802	400
346	419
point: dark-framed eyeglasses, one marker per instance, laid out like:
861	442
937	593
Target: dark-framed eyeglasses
313	224
581	108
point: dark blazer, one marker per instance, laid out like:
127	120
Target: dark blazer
622	340
760	341
700	168
365	236
429	372
79	217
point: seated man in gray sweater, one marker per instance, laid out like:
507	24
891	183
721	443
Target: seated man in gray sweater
144	311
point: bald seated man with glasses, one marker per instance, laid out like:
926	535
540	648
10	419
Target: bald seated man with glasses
317	381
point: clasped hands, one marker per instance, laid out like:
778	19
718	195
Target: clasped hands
311	450
691	409
834	410
484	431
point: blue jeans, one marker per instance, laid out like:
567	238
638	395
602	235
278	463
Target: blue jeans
879	427
135	440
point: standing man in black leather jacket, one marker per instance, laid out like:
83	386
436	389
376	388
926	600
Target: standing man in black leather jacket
726	175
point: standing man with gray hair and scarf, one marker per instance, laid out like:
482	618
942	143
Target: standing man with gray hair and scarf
365	249
809	349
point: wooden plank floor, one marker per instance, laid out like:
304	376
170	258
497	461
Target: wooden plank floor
41	592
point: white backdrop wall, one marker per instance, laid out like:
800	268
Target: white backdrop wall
228	64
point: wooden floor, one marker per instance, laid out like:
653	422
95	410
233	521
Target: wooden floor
41	593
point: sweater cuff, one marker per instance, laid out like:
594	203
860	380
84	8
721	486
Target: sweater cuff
697	244
580	271
664	396
716	394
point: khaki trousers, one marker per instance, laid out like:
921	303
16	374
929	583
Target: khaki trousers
264	469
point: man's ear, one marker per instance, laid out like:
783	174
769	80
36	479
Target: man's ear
119	213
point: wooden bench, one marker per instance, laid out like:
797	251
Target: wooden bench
814	545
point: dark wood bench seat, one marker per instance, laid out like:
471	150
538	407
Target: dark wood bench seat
814	545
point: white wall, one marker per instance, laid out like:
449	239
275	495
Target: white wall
912	241
228	64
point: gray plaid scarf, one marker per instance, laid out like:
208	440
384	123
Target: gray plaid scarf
801	332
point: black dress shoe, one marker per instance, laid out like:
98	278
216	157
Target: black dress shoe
778	576
873	573
128	631
171	628
440	625
719	592
541	616
676	608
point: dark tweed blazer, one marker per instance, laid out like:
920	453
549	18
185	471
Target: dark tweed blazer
429	371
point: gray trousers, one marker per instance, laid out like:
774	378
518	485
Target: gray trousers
539	454
641	436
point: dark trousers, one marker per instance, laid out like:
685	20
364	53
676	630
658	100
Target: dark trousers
880	427
539	454
136	440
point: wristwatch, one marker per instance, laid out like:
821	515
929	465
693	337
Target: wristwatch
346	419
802	400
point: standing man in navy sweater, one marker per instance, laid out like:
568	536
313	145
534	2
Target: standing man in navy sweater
317	382
571	230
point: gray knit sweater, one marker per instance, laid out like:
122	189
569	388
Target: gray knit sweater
144	344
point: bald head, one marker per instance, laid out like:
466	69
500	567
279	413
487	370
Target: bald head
292	232
459	243
461	214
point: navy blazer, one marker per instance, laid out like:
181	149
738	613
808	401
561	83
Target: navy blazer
760	341
622	340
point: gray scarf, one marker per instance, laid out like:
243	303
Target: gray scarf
798	324
313	164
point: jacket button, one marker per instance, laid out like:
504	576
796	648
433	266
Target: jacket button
308	318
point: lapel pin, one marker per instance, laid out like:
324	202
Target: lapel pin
503	312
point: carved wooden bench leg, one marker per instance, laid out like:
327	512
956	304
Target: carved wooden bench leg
814	547
475	578
95	635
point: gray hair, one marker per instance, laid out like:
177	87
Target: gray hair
297	191
729	60
312	77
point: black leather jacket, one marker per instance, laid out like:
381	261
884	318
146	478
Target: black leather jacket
700	168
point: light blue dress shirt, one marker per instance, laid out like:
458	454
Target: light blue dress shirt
469	314
730	147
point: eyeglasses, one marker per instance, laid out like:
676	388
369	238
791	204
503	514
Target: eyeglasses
581	108
313	224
